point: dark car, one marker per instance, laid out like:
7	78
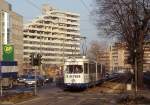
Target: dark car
47	79
22	78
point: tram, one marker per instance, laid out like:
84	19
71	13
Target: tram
82	73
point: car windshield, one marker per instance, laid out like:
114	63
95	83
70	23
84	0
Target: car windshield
23	76
31	77
74	69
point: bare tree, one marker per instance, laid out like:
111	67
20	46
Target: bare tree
129	20
94	50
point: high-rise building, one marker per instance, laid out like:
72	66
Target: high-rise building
55	35
11	31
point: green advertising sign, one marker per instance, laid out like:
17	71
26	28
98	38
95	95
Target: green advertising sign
8	52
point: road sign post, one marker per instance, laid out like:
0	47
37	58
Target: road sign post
1	87
35	61
35	86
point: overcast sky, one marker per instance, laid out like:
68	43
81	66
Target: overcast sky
29	11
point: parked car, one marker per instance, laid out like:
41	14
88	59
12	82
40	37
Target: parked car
47	79
22	78
30	81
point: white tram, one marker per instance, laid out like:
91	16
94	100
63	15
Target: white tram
81	73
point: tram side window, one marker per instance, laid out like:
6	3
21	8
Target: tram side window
86	68
103	69
92	68
98	68
74	69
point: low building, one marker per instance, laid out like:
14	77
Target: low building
103	57
119	55
147	56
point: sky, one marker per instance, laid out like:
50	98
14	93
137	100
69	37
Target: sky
87	28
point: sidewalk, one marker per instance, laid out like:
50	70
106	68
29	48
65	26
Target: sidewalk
142	97
145	93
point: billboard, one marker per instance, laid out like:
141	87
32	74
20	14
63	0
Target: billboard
8	52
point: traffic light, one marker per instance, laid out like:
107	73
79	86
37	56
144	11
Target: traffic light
35	61
31	59
39	57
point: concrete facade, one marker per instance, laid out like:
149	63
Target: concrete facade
119	55
104	58
55	34
17	38
147	56
11	31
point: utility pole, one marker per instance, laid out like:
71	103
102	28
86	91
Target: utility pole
84	49
1	87
34	63
96	71
84	43
63	52
135	71
74	54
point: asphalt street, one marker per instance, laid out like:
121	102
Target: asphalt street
104	94
64	98
52	95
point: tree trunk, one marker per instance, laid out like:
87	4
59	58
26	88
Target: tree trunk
140	54
140	75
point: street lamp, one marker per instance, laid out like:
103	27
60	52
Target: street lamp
84	39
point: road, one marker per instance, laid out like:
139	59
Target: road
53	95
107	93
58	97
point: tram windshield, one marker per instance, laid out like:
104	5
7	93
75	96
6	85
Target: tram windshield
74	69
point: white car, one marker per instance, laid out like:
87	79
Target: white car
30	81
